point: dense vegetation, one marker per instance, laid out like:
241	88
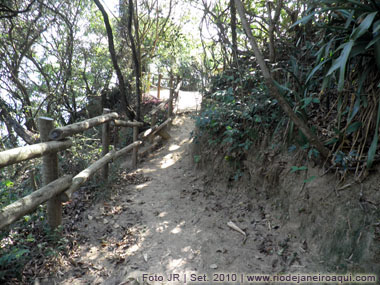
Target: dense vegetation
57	56
323	57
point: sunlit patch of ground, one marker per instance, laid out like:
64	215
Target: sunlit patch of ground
187	100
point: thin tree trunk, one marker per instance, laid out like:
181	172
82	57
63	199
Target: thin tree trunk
312	138
135	57
272	27
11	123
123	90
233	33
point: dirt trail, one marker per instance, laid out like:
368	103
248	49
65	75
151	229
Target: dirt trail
166	218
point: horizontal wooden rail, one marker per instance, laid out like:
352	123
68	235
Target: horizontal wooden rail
130	124
127	149
154	130
27	204
62	132
84	175
23	153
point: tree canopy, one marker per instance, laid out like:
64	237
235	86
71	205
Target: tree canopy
319	60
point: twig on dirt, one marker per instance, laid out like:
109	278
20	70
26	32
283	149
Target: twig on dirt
236	228
346	186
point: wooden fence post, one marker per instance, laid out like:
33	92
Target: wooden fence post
170	104
115	136
50	173
148	84
135	149
159	85
153	122
105	143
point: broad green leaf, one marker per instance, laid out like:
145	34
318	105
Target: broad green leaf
376	27
315	69
363	27
307	102
296	168
9	183
355	109
282	88
338	61
349	19
341	63
332	141
353	127
304	20
371	43
309	179
358	48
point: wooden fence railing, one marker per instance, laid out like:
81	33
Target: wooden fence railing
159	80
60	189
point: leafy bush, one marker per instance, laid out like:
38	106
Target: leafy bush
237	114
346	73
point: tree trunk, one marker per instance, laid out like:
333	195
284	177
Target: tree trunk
135	57
312	138
128	110
233	33
272	27
11	123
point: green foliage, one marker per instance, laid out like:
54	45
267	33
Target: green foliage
235	117
12	262
197	158
308	180
296	168
7	196
21	246
346	47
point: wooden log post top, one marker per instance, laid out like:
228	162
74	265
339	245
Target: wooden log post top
106	133
159	85
69	130
23	153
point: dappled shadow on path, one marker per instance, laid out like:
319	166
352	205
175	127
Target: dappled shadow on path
169	222
148	227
